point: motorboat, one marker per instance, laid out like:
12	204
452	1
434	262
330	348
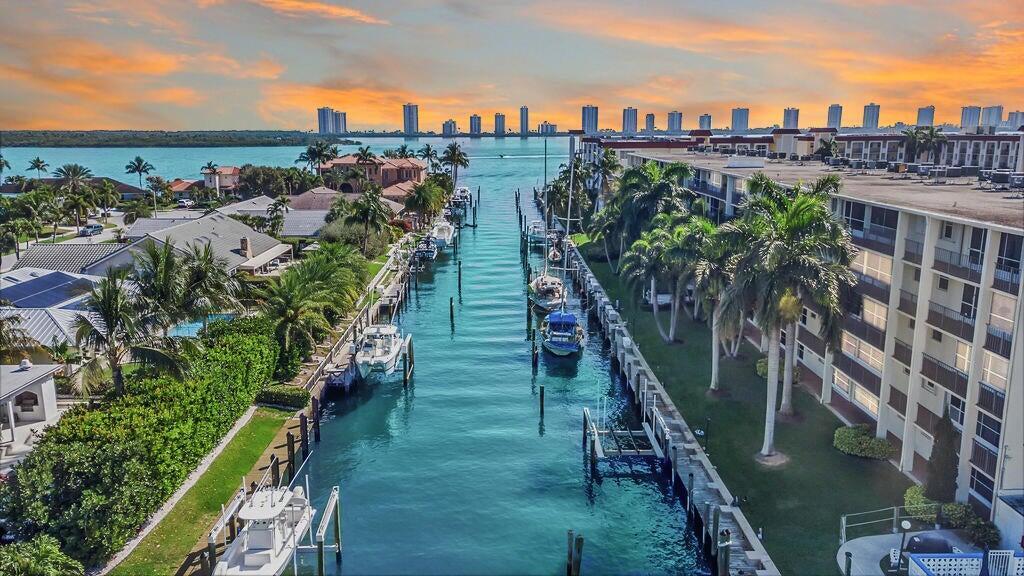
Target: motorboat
536	232
379	349
274	522
562	333
426	249
554	256
462	196
547	292
443	232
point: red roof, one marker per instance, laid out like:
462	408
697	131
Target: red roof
179	185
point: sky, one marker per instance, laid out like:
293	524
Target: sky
268	64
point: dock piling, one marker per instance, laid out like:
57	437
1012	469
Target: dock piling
405	369
536	356
568	557
304	435
291	455
316	419
577	559
724	538
451	311
460	277
541	400
275	470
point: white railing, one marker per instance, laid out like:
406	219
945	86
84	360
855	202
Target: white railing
886	519
1000	563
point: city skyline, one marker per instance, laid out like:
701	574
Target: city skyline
158	70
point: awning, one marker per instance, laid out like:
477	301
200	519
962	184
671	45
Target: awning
264	258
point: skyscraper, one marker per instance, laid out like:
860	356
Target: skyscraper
524	121
546	128
970	117
791	118
449	128
835	116
740	119
675	122
410	118
499	125
704	122
629	121
1016	120
926	116
325	120
991	116
474	124
649	123
589	119
871	112
340	123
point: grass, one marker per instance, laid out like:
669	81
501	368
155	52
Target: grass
164	549
798	504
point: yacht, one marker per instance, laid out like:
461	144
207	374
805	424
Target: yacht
562	333
462	196
443	232
546	292
426	249
274	522
379	349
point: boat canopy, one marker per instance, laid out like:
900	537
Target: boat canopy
562	319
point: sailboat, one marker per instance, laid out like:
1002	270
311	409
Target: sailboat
561	331
546	291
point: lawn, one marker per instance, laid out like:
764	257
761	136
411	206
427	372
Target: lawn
798	504
164	549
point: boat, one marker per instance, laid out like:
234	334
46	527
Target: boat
379	349
274	522
536	232
462	195
546	292
562	333
554	255
443	232
426	249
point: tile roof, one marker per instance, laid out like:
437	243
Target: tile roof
303	223
255	206
65	257
179	185
398	191
319	198
225	170
352	160
223	233
143	226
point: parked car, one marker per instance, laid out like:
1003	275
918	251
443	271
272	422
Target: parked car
91	230
186	203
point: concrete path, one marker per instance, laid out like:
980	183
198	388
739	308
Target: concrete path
869	550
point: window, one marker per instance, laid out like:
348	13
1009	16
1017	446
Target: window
969	301
1010	246
917	274
947	230
994	370
957	407
928	385
800	351
866	400
841	382
977	251
866	353
912	323
943	283
884	217
874	313
988	429
803	317
936	335
853	212
1002	311
877	266
981	485
963	355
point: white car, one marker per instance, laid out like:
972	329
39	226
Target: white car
186	203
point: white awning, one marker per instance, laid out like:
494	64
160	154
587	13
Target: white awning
265	257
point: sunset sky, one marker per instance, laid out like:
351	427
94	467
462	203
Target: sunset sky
246	64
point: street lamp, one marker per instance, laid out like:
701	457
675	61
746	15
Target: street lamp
905	525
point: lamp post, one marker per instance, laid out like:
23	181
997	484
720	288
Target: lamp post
905	525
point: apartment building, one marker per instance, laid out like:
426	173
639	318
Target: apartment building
939	270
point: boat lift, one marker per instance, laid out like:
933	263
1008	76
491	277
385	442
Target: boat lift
607	442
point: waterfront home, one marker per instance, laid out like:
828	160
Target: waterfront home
66	257
145	226
383	171
47	302
322	198
222	178
28	403
255	206
127	191
181	188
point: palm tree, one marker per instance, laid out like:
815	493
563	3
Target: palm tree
160	283
10	236
931	141
135	209
13	338
209	288
712	275
4	164
607	169
603	224
643	262
429	155
276	213
454	158
107	197
140	167
404	151
426	199
911	144
828	148
50	210
296	306
74	178
79	203
648	189
211	168
369	211
116	331
39	165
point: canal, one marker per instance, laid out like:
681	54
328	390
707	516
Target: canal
458	473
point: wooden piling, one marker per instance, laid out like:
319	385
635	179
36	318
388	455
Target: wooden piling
536	356
211	553
451	310
460	276
405	369
275	470
316	419
715	523
291	455
568	557
577	558
541	400
724	538
337	529
304	435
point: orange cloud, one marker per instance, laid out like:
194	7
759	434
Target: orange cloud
312	8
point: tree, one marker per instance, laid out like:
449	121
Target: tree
643	262
39	165
404	151
160	188
943	464
648	189
140	167
364	158
454	158
911	144
209	288
13	338
931	141
370	212
296	307
211	168
712	276
79	204
603	224
828	148
159	282
429	155
74	178
607	169
107	197
426	199
4	164
276	213
40	556
135	209
50	210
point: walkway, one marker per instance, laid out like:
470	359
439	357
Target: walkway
868	551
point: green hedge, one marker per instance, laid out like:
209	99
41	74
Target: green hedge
40	556
981	532
860	441
284	395
96	476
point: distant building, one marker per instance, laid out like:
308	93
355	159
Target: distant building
835	116
524	120
474	125
325	120
629	121
871	112
791	118
991	116
546	128
704	122
499	125
926	116
649	123
1016	120
675	122
589	124
222	178
410	118
970	117
740	119
340	123
449	128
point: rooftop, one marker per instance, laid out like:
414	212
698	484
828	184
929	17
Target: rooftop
46	325
65	256
303	223
143	226
39	288
965	201
13	378
223	233
257	205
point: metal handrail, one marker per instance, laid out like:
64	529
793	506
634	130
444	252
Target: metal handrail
950	313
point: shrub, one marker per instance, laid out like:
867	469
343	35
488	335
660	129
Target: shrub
918	505
98	474
762	369
40	556
860	441
402	224
284	395
983	533
957	515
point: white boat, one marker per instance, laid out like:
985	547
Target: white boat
379	350
426	249
462	195
443	232
546	292
554	256
275	520
536	233
562	333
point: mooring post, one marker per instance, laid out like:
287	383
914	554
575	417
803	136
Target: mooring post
716	519
304	435
211	552
706	533
723	553
568	557
232	529
593	451
674	465
690	505
204	562
337	528
451	311
577	558
541	400
316	419
536	356
275	470
320	570
291	455
405	369
460	276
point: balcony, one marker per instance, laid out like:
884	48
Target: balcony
866	332
863	375
877	238
913	251
927	419
944	375
951	321
998	341
908	303
984	458
991	400
811	340
873	287
705	188
903	352
898	400
1007	279
955	264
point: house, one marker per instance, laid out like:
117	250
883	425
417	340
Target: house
67	257
47	301
144	226
127	191
255	206
222	178
319	198
28	403
382	171
303	223
185	188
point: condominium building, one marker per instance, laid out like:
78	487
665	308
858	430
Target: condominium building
791	118
649	123
499	125
340	123
704	122
835	116
524	121
675	122
589	124
740	119
449	128
325	120
410	118
1015	120
474	125
546	128
871	112
629	121
991	116
970	117
926	116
